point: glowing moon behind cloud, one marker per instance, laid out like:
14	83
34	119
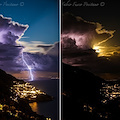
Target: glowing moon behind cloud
96	48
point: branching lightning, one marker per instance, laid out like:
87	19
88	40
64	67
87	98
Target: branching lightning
29	67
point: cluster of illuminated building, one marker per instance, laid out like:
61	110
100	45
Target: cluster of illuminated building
91	109
109	92
24	90
88	108
12	111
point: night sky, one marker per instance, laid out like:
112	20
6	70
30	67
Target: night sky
90	36
31	27
40	15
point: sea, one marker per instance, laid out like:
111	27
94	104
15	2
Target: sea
49	109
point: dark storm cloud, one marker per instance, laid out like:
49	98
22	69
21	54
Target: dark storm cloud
79	37
39	61
68	43
42	62
85	33
10	52
54	50
45	47
73	24
109	64
8	57
89	61
45	62
10	31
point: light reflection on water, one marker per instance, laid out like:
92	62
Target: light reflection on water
34	106
49	109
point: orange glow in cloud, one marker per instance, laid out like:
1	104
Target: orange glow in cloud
37	75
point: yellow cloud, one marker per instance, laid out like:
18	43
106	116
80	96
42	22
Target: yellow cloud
31	46
106	50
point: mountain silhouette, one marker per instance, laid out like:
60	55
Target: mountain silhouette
80	88
10	109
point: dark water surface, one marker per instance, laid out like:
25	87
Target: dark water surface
51	108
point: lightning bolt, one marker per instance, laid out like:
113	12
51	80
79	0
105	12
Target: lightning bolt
25	62
29	67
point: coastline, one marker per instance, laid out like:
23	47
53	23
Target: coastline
14	100
51	108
